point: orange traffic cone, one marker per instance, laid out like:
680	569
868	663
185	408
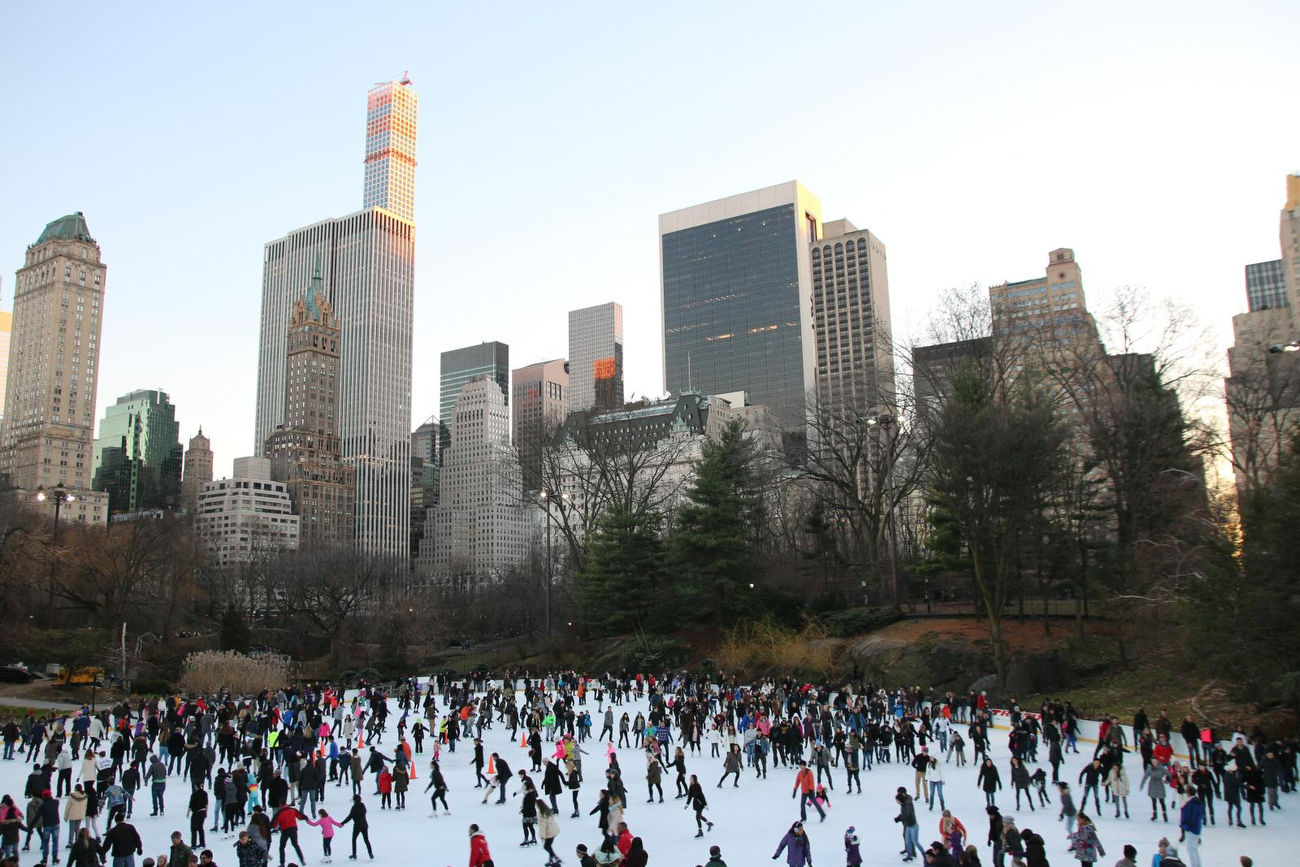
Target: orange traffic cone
523	741
492	767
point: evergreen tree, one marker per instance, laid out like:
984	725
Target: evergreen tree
235	634
713	546
622	584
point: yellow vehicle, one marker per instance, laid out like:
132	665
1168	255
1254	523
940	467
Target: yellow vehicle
82	676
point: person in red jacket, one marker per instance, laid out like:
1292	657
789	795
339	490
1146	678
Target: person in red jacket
385	782
286	822
1162	752
478	848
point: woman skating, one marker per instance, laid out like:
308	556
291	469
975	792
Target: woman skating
695	798
1084	842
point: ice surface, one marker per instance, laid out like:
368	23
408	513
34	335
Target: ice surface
749	821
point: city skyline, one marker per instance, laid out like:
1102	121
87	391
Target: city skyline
1018	198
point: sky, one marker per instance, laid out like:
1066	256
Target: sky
1152	138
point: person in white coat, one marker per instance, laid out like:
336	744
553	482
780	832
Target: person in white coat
934	783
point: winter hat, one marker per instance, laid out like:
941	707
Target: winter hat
715	852
582	848
850	832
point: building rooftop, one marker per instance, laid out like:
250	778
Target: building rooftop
70	228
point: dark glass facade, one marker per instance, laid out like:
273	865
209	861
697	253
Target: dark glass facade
1266	286
459	367
731	310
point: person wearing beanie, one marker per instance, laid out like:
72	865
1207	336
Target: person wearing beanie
852	850
585	859
715	858
1130	856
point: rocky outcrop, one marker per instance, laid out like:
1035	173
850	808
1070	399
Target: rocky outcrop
952	664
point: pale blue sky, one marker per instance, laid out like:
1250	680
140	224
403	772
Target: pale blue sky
972	138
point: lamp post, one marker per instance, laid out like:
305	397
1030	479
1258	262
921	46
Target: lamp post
546	498
59	495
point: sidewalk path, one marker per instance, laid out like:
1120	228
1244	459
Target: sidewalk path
14	701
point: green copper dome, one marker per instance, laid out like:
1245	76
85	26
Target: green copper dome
69	228
315	292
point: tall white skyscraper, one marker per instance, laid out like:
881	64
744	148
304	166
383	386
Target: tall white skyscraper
596	357
392	115
481	525
367	267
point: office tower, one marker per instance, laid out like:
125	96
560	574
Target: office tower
1047	311
1262	390
138	453
1266	286
424	477
198	470
855	367
596	357
424	441
53	367
305	452
392	114
541	393
367	265
459	366
6	327
737	302
247	517
480	526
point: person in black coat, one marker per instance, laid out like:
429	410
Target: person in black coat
990	781
198	811
86	851
360	827
552	783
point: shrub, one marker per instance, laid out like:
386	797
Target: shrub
151	686
765	647
857	621
209	671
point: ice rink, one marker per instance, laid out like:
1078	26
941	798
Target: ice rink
749	820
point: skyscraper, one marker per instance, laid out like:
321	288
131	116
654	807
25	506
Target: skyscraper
459	366
480	526
596	357
305	452
392	115
53	367
855	368
540	407
367	264
6	328
198	470
138	453
1266	286
736	293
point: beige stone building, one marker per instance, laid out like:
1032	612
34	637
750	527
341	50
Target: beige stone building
1262	390
306	452
53	369
198	470
541	403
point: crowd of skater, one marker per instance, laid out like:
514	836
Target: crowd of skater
252	770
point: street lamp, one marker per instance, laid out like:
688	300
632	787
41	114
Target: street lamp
546	498
59	495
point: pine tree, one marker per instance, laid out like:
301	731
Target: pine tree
622	584
713	551
235	634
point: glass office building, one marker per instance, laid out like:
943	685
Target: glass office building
459	367
1266	286
138	453
737	300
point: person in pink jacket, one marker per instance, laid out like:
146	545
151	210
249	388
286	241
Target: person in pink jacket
327	826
